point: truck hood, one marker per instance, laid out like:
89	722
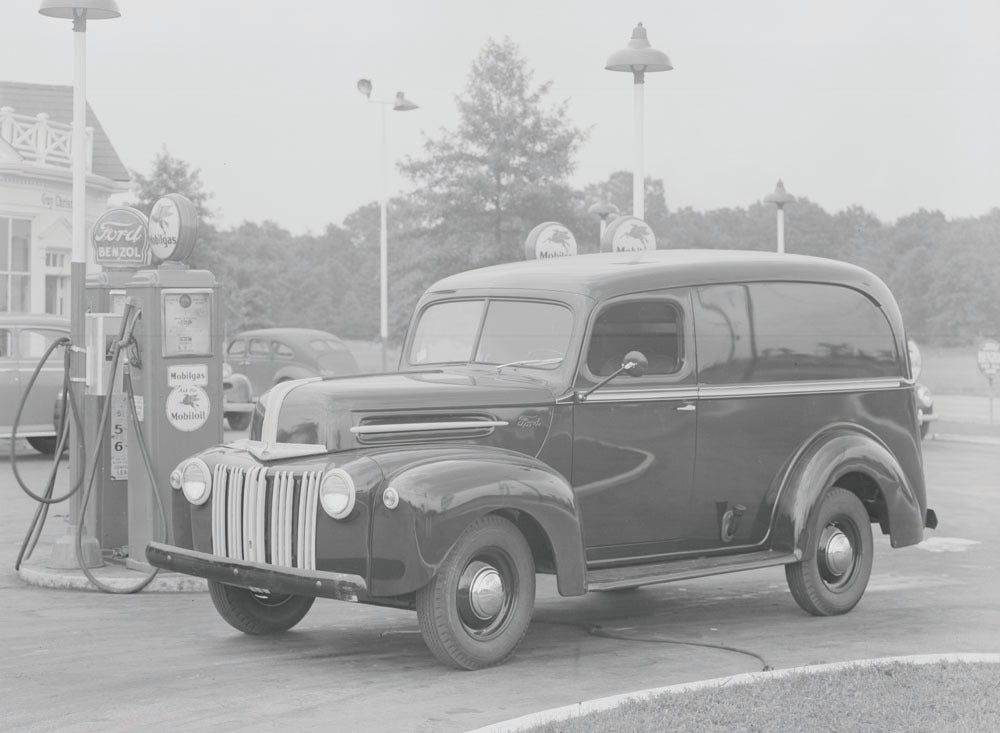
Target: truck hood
349	412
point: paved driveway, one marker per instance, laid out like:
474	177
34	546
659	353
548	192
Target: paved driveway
78	661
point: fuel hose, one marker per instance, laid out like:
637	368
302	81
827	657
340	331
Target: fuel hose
85	482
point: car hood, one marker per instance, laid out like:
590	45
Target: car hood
349	412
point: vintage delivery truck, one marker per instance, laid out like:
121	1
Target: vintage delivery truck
615	419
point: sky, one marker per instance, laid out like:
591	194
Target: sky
892	105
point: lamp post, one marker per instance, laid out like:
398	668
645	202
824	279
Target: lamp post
606	211
79	11
638	57
779	197
399	104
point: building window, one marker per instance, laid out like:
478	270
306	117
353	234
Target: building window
56	282
15	264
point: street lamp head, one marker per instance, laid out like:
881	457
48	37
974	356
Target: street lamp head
365	87
402	104
603	209
638	56
779	197
88	9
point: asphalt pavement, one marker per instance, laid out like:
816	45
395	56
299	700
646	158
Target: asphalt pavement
87	661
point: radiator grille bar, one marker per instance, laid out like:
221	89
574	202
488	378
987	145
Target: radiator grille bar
265	517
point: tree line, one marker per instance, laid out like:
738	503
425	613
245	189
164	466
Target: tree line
480	188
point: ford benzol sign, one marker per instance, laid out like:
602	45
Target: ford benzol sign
120	238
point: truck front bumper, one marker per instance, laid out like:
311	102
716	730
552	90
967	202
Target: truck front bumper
321	584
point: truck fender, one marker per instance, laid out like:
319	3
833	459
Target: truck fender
439	497
844	457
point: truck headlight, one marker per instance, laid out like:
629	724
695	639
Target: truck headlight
336	493
196	481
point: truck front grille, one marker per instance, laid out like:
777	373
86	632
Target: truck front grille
265	517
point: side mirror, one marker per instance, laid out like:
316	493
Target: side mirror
635	364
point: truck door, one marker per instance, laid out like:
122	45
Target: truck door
634	437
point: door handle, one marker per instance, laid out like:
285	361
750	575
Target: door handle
686	407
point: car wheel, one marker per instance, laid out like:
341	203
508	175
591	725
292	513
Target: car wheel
238	420
475	611
45	445
834	579
257	612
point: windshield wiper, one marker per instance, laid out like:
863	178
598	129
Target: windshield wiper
530	362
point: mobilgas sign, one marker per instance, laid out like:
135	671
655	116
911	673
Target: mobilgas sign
628	234
550	239
120	238
173	228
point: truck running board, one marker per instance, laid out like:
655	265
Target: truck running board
632	576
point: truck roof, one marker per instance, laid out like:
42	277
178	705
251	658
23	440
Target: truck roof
610	274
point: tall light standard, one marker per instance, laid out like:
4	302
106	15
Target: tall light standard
399	104
638	57
79	11
606	211
779	197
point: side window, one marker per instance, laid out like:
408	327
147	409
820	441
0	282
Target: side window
282	350
653	327
5	344
775	332
237	348
259	347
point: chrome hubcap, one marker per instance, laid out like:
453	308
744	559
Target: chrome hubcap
481	588
835	550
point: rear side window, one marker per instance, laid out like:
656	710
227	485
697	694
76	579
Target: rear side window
259	347
776	332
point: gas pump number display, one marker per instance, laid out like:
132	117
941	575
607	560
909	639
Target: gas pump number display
187	322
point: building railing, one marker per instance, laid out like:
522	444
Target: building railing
41	141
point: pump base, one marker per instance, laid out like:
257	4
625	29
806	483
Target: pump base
63	555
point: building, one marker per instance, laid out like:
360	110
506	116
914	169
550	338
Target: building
36	181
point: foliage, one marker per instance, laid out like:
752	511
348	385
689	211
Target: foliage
482	187
171	175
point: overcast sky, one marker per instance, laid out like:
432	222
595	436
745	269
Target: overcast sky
889	104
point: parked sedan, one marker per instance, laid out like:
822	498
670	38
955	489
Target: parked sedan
24	337
259	359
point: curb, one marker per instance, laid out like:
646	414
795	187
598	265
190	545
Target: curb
117	577
973	439
554	715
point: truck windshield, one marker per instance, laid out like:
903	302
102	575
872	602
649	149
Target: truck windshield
493	332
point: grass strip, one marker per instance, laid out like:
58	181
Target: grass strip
894	697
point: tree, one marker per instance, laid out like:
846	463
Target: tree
482	187
171	175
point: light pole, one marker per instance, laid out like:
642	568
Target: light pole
79	11
399	104
606	211
638	57
779	197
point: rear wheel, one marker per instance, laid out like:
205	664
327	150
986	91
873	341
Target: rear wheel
475	611
834	579
258	612
45	445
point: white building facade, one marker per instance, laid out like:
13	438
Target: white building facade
36	194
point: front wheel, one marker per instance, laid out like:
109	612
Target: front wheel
834	579
475	611
258	612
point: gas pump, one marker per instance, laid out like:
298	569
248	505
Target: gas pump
153	383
